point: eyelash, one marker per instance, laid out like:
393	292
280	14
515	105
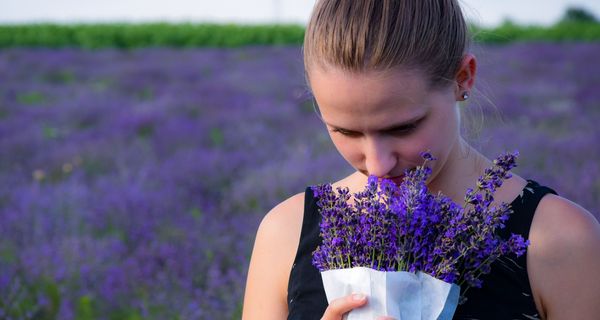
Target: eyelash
406	130
346	133
398	132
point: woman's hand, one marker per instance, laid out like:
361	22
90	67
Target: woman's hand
338	307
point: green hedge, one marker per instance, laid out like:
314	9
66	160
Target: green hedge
560	32
126	36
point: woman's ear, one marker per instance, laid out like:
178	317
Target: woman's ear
465	77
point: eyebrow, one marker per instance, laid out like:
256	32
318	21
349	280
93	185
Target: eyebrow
392	127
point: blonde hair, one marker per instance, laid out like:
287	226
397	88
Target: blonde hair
360	35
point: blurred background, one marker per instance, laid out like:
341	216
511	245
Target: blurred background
483	12
142	142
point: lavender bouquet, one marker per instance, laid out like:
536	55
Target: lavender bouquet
412	251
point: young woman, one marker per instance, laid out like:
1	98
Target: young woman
387	76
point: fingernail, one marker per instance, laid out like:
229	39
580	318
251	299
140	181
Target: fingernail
358	296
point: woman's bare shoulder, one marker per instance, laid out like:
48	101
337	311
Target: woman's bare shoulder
564	259
274	251
284	216
282	226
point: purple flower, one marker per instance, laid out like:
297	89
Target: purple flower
406	228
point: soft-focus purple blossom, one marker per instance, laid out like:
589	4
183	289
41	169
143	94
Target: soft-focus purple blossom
406	228
115	166
153	167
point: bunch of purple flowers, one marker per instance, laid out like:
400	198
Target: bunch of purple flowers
404	227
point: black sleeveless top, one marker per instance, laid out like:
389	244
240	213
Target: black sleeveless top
505	293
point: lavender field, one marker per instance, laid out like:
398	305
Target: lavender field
132	182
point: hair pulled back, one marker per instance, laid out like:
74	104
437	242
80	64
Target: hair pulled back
360	35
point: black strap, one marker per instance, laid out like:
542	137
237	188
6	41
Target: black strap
524	207
306	295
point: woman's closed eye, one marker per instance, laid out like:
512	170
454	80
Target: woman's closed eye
402	130
345	132
405	129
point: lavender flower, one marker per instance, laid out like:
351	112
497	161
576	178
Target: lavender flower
108	154
406	228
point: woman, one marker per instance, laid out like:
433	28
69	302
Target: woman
387	76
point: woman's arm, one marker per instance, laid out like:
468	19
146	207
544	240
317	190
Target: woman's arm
274	251
564	260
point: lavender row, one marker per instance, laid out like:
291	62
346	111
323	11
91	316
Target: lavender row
132	182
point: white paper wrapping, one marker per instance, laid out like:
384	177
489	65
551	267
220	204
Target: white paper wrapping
401	295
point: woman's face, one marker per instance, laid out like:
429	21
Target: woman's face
381	122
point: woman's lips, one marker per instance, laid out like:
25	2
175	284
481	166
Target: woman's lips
400	178
397	179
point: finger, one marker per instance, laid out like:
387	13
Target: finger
385	318
338	307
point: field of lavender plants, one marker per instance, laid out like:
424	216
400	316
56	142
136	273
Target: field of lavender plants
132	182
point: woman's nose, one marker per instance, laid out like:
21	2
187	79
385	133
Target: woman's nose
379	159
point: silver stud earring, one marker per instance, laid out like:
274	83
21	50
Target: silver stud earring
465	95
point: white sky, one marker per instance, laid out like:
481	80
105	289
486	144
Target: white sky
484	12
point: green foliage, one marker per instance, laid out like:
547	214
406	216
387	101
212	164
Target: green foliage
126	313
575	14
146	130
60	77
49	132
8	252
145	94
577	24
128	36
22	302
238	311
85	309
31	98
196	213
560	32
50	289
216	137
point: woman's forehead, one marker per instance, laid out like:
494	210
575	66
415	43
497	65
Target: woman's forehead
341	94
334	84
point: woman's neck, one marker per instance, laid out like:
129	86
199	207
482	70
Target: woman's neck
461	170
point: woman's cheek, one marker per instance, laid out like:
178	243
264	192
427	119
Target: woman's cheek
418	143
348	148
